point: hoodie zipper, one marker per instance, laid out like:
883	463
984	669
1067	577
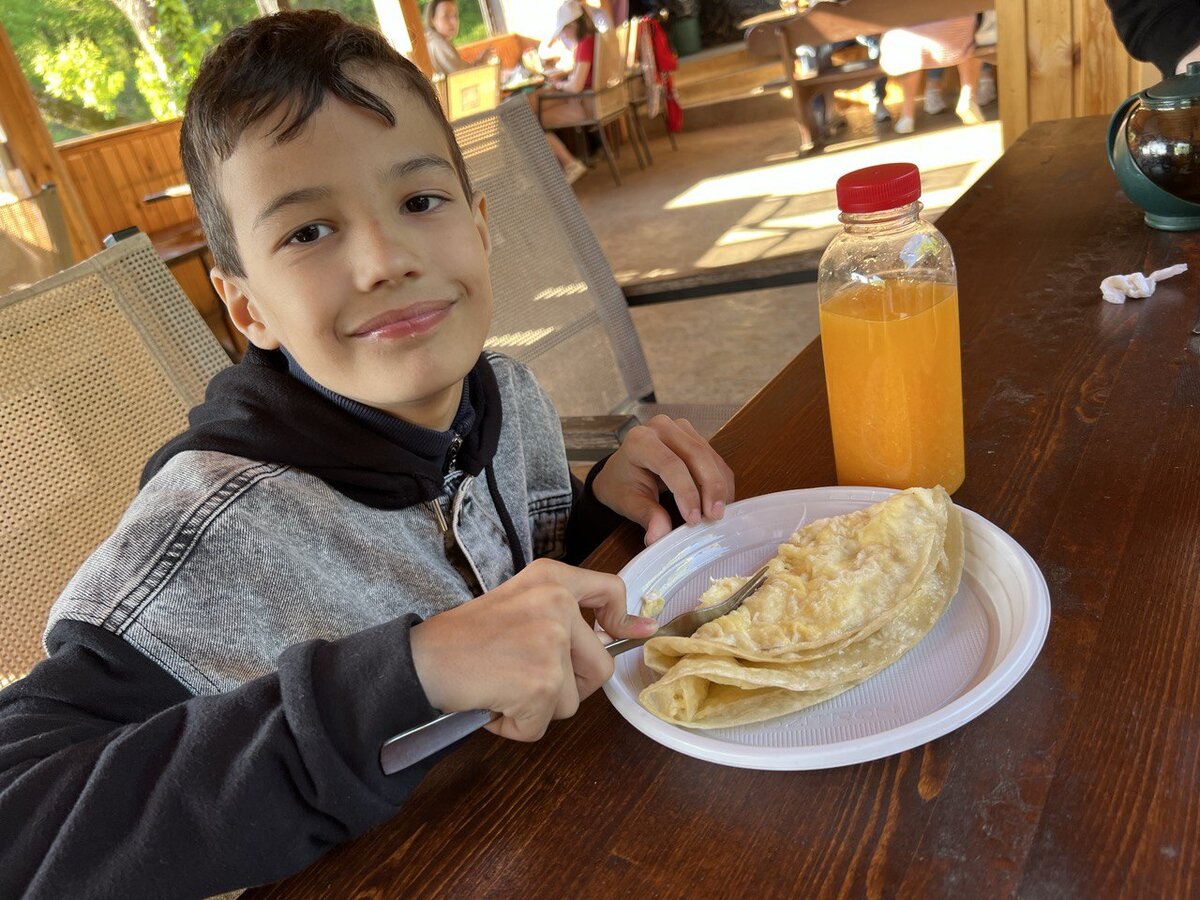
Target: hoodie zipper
456	443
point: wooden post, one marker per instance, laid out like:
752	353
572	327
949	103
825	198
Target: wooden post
400	22
33	151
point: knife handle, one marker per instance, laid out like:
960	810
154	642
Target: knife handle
419	743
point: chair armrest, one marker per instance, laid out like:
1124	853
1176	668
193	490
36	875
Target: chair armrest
591	438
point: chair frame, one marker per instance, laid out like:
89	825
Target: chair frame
453	100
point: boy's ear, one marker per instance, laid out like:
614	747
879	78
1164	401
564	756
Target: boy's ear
242	310
480	203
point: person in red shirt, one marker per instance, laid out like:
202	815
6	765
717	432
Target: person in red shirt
577	32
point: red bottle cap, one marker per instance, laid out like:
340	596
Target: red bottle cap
877	188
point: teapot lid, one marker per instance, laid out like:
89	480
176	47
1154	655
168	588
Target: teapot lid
1177	92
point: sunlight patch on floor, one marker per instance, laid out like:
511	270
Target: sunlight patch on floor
931	151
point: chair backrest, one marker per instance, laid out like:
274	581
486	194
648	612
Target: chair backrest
608	75
99	365
558	308
33	239
473	90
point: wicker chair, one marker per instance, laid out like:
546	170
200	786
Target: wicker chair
606	103
558	307
33	239
99	365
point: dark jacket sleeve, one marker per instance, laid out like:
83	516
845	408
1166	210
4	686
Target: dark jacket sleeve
115	781
1156	31
591	521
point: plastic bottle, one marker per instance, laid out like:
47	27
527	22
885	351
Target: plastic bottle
888	296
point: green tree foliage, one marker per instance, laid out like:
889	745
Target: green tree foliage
98	64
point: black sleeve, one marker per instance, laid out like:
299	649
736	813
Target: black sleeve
591	521
115	781
1156	31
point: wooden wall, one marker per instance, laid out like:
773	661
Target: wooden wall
1060	59
114	170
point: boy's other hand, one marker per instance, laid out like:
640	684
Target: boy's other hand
666	453
523	649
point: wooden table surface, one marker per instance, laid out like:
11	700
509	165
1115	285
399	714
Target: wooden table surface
1082	426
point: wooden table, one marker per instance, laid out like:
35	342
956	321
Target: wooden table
1083	427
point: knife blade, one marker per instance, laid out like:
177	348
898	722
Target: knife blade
412	746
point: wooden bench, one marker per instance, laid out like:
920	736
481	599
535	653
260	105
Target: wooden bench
781	33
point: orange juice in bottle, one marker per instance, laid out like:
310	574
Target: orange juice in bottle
889	334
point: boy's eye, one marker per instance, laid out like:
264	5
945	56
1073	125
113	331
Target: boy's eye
423	203
308	234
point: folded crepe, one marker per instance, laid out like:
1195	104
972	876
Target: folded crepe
844	599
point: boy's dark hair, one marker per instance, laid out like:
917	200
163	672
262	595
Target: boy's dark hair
287	61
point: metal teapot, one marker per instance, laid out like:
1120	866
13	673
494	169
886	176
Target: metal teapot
1154	148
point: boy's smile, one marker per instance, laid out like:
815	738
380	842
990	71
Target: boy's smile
363	256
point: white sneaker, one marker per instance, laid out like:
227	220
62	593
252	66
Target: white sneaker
985	35
879	111
904	125
986	92
574	170
967	109
934	101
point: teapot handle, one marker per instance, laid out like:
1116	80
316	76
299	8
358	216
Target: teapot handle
1114	126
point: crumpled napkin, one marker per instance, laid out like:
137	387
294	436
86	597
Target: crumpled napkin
1117	288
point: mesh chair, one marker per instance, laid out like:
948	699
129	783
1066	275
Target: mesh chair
472	90
605	103
558	308
99	365
33	239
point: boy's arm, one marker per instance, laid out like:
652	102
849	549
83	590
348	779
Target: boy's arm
590	521
114	780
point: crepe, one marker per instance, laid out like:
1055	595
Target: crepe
844	599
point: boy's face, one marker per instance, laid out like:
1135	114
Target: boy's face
363	256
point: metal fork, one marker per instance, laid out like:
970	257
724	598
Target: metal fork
419	743
685	624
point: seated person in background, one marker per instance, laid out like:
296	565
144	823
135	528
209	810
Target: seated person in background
985	91
575	29
905	52
346	540
441	28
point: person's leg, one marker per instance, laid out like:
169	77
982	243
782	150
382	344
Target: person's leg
878	96
909	83
935	101
967	109
573	168
985	93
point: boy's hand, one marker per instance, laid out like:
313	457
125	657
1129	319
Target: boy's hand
523	649
671	453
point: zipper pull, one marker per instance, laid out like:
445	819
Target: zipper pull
452	451
441	516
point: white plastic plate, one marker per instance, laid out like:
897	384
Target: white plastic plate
981	647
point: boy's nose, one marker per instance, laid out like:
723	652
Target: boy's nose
383	256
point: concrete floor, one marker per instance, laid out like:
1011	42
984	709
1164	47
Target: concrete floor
738	193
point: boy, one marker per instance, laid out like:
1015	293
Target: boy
295	581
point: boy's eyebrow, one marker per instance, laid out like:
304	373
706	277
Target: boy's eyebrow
291	198
416	164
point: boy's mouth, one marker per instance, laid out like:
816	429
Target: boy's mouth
409	321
